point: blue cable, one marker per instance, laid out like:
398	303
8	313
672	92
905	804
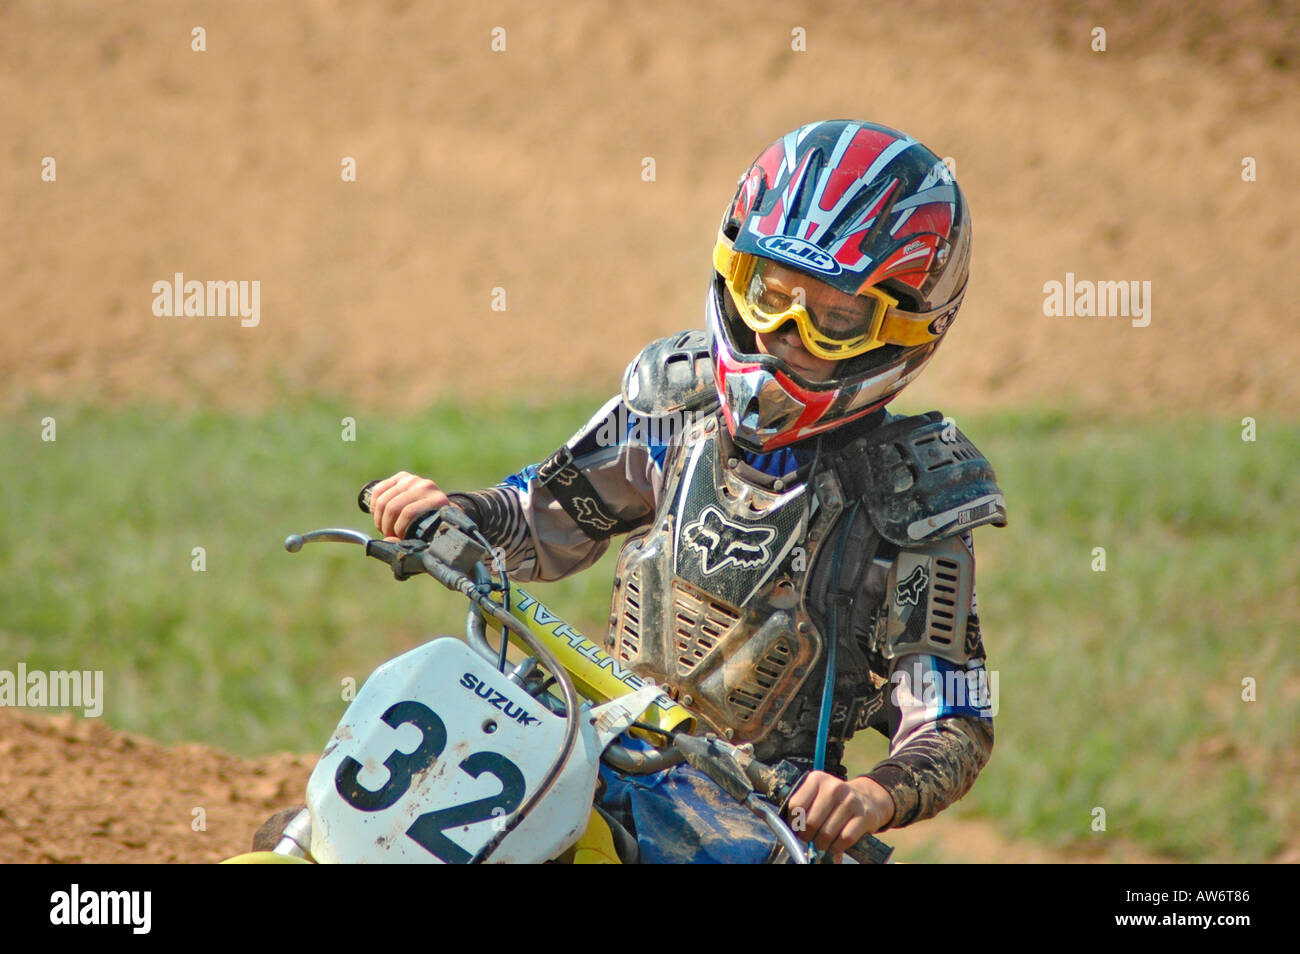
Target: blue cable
832	640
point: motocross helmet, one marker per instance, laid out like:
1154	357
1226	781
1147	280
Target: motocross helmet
876	225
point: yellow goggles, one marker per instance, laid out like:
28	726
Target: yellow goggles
832	324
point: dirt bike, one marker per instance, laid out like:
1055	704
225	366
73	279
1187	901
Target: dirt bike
449	753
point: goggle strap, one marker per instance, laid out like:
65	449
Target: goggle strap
909	328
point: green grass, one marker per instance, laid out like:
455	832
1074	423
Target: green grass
1122	689
96	558
1118	689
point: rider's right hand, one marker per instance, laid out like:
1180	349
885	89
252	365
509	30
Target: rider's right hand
397	501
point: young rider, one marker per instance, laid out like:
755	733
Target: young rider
777	516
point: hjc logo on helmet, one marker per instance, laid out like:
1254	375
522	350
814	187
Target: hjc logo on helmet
799	252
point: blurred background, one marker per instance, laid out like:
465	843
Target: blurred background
577	173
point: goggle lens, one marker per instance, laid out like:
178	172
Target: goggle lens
832	324
773	291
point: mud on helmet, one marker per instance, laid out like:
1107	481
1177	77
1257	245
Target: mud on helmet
874	214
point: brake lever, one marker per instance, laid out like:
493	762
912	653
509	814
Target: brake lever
404	560
294	541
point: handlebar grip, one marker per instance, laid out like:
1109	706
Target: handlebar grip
422	526
779	782
870	850
363	498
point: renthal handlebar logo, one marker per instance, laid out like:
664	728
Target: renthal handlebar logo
796	250
550	625
721	542
497	700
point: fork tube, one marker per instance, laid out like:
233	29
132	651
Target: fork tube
455	580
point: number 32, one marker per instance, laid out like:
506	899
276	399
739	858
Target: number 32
428	830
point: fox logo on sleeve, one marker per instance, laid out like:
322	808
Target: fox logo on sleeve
590	514
721	542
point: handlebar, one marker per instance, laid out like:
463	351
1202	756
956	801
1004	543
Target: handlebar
448	557
456	549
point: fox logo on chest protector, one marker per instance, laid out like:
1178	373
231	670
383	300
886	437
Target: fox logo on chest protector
721	542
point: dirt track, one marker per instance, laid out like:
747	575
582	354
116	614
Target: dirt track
523	170
79	792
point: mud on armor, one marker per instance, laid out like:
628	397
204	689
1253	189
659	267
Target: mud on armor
667	386
922	480
709	601
929	605
671	375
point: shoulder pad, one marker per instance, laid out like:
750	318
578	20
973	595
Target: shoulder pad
930	589
670	375
926	481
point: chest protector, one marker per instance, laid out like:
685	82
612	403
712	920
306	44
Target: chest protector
710	601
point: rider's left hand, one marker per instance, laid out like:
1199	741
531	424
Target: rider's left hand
833	814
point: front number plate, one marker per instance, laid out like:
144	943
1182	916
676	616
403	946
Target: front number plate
432	758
